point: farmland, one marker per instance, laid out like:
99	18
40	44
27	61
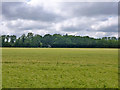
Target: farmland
59	68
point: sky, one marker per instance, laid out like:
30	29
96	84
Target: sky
94	19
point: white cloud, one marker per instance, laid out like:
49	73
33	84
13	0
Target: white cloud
104	24
41	17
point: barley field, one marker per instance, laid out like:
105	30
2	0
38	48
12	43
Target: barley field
59	68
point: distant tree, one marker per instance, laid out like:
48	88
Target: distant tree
12	39
7	38
58	41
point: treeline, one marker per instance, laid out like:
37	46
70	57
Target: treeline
58	41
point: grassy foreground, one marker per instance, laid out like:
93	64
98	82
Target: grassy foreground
59	68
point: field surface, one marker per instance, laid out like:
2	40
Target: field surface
59	68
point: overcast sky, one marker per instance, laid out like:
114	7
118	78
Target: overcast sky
94	19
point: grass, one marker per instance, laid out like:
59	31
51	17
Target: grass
59	68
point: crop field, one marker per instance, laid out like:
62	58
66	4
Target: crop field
59	68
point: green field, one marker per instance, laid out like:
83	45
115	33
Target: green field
59	68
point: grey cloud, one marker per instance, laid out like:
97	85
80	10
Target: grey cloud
91	8
113	28
23	26
70	29
87	27
74	28
12	10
